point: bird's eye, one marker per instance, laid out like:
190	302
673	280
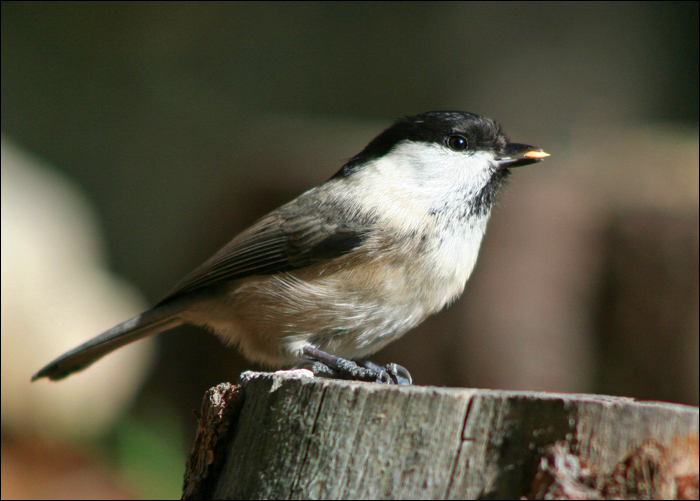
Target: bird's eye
457	143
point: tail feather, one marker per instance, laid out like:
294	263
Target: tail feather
148	323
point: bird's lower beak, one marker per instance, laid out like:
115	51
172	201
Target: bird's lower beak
517	155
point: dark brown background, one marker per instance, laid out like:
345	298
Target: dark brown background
183	123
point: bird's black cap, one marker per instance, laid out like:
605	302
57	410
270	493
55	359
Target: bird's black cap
480	132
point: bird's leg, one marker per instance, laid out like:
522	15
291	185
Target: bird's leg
347	369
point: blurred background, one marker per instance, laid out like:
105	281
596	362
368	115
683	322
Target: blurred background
138	138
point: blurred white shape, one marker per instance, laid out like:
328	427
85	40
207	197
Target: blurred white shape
56	293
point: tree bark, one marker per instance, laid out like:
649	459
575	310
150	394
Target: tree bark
292	436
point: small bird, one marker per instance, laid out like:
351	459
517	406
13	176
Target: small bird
350	265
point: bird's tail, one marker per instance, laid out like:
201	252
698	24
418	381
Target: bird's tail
160	318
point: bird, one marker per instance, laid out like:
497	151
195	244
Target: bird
350	265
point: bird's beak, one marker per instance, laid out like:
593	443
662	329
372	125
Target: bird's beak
517	155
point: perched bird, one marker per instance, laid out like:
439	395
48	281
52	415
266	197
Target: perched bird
349	265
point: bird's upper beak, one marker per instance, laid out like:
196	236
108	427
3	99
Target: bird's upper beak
517	155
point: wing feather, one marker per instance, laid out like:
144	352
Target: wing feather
278	242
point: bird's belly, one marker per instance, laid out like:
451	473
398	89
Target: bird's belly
350	312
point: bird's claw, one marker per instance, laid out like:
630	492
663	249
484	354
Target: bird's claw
341	368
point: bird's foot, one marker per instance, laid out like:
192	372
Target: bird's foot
397	373
324	364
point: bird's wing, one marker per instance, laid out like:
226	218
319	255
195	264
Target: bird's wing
281	241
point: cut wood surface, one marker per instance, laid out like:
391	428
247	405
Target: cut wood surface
289	435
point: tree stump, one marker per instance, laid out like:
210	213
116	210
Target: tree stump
289	435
